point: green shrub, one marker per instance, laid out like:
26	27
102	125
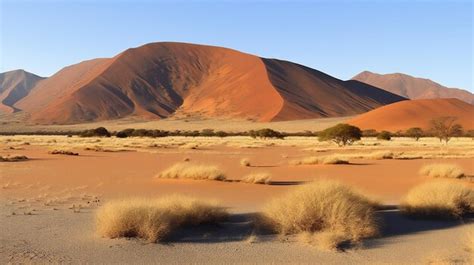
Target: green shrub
414	133
97	132
342	134
266	133
384	135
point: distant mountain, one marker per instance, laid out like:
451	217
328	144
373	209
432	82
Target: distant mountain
415	113
15	85
413	87
160	80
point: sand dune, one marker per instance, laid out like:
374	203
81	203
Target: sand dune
14	85
415	113
413	87
160	80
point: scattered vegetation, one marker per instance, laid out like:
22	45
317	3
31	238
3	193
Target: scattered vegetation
15	158
444	128
384	135
97	132
341	134
323	206
188	170
439	199
415	133
266	133
245	162
155	219
442	171
257	178
63	152
324	160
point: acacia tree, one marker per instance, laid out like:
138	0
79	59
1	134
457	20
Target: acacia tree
444	128
342	134
414	133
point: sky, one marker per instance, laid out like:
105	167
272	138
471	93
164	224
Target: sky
430	39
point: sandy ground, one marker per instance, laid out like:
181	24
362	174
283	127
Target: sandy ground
48	203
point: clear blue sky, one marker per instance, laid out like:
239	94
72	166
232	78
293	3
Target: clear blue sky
431	39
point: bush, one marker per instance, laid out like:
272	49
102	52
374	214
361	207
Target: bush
64	152
442	171
323	206
266	133
257	178
155	219
414	133
324	160
439	199
369	133
384	135
189	170
341	134
97	132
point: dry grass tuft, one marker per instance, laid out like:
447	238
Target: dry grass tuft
188	170
324	160
442	171
245	162
257	178
155	219
15	158
327	241
324	206
381	155
439	199
63	152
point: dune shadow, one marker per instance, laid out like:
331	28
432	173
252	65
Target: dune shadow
238	227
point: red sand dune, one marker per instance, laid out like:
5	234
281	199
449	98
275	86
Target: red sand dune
413	87
15	85
415	113
159	80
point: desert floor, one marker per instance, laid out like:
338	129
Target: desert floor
48	202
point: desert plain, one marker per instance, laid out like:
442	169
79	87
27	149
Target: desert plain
49	203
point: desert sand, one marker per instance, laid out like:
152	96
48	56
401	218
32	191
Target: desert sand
42	221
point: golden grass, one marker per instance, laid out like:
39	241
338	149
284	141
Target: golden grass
442	171
188	170
439	199
14	158
324	160
245	162
328	241
155	219
323	206
257	178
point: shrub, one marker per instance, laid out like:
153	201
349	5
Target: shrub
155	219
15	158
221	134
266	133
193	171
323	206
384	135
329	241
442	171
97	132
369	133
444	128
324	160
63	152
439	199
207	132
257	178
341	134
245	162
414	133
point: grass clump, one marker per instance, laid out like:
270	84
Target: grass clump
323	207
442	171
257	178
324	160
155	219
245	162
63	152
439	199
15	158
188	170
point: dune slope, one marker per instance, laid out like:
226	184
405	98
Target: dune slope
15	85
415	113
160	80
